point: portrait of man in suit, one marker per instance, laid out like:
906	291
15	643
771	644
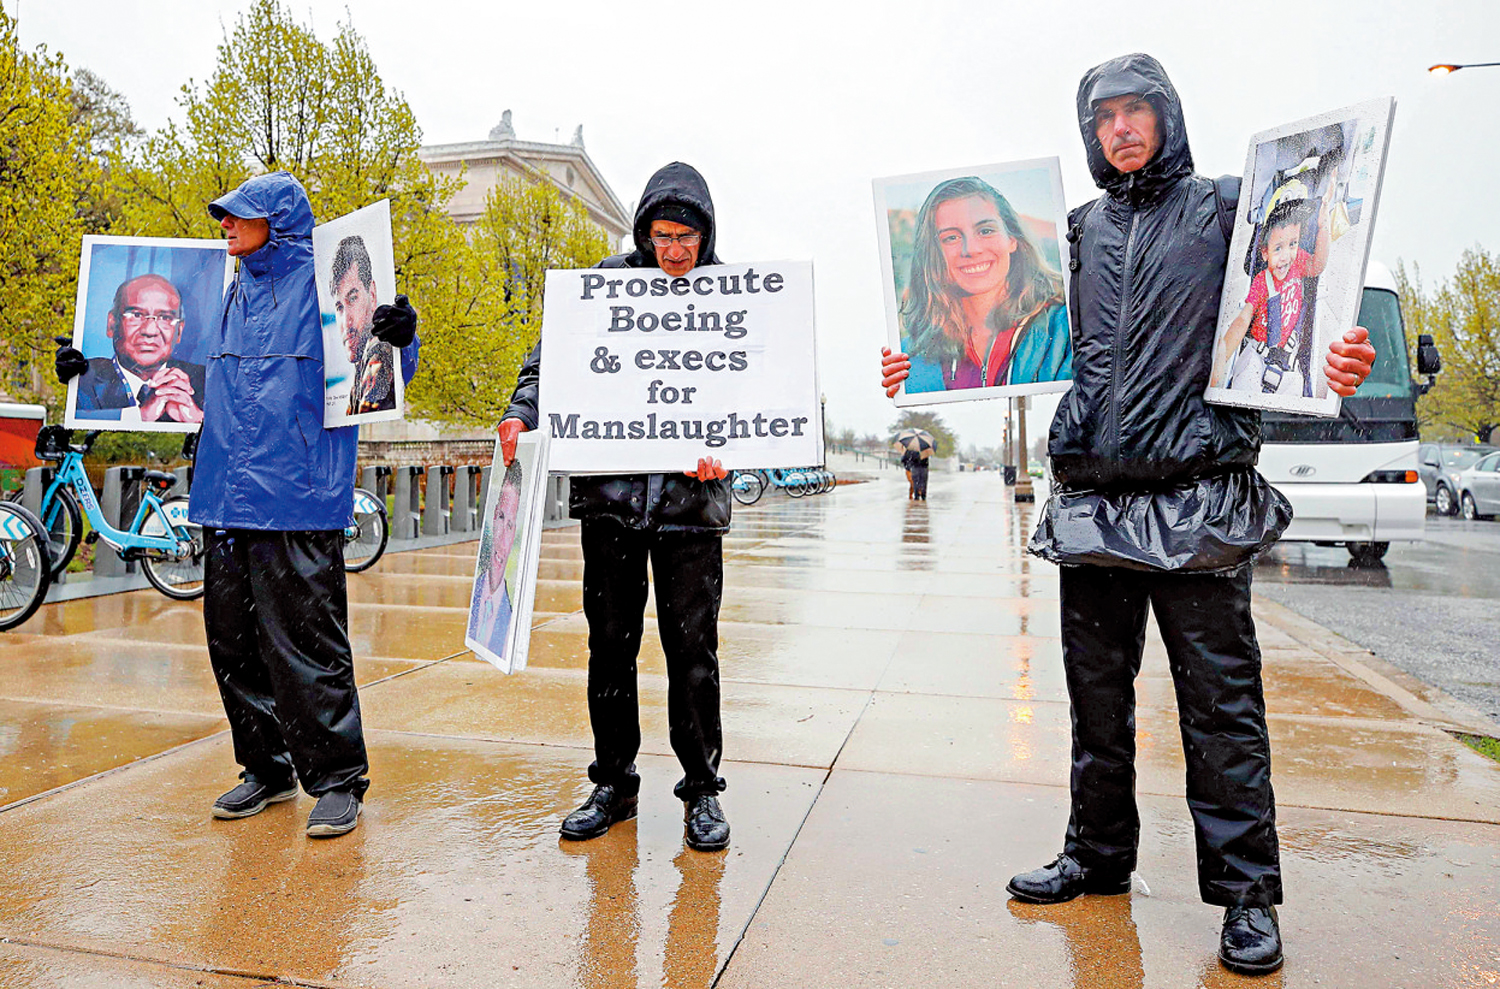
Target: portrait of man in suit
142	382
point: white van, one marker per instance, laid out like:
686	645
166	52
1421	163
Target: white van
1353	480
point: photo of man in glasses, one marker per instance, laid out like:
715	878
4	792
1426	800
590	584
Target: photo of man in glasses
142	382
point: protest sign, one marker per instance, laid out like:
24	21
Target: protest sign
644	372
971	266
1297	258
356	272
146	307
510	540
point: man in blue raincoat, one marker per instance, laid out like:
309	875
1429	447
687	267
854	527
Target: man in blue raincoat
273	490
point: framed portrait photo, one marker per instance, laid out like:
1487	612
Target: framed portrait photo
972	269
1297	258
146	307
510	540
355	273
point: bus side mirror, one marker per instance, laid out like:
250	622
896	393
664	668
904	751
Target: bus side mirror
1428	361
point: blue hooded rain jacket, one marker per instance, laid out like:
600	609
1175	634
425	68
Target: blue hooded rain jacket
264	460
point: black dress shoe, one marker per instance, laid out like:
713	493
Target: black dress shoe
1063	879
1251	941
604	807
704	824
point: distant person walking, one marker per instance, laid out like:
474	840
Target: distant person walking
916	475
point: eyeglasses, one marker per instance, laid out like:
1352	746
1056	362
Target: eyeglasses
686	240
136	318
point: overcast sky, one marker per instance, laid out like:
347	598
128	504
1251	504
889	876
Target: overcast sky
790	108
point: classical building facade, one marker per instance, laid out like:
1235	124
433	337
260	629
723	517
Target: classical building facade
485	164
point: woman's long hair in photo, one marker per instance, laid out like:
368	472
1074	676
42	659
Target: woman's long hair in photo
931	309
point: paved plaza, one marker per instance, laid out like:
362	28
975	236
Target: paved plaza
896	746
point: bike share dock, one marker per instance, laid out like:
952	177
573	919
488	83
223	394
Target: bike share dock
896	745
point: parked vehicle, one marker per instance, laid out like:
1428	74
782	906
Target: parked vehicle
1439	464
1479	489
1352	480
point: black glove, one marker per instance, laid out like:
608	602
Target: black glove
70	361
395	325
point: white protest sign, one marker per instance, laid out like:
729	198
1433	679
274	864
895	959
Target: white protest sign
644	372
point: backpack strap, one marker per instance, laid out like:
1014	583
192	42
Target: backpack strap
1226	201
1075	236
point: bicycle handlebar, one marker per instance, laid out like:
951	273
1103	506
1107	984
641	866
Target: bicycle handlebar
88	442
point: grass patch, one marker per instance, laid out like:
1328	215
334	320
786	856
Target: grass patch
1482	744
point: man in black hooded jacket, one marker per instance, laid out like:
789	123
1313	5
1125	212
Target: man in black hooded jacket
678	521
1136	452
1157	505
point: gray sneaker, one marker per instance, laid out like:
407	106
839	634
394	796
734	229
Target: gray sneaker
253	796
337	813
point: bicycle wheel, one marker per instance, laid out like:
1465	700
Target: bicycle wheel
25	565
365	541
64	524
796	483
178	575
747	487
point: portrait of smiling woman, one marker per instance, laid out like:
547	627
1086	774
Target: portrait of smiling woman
982	306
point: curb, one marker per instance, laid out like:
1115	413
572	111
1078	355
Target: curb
1428	704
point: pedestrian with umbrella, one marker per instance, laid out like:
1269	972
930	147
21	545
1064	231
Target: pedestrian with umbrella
916	446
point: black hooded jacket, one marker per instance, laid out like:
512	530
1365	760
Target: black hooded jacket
1149	474
664	502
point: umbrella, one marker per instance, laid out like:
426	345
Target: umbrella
918	440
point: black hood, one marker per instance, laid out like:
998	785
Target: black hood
675	185
1123	76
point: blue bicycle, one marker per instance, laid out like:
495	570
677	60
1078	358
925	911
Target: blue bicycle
168	546
25	571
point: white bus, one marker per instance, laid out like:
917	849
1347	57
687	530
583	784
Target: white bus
1353	480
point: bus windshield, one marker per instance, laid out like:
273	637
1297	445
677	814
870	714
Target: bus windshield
1380	313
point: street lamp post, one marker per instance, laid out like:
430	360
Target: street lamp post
1447	69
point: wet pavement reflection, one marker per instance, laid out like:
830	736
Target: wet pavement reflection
896	746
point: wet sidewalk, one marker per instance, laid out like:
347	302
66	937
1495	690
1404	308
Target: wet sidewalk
896	743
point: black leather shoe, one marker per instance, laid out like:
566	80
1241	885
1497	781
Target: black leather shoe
604	807
705	826
1251	941
252	797
1063	879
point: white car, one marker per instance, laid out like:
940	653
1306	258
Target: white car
1479	489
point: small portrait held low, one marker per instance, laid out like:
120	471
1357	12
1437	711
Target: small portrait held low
975	299
499	628
139	332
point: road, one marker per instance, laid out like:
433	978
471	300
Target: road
1432	609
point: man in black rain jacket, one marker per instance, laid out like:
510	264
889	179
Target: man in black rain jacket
678	521
1158	504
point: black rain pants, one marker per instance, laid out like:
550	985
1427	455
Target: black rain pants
276	611
688	569
1215	660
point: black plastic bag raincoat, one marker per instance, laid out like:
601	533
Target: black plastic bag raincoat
1150	476
660	502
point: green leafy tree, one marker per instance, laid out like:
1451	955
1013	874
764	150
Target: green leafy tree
945	442
492	290
42	181
1463	316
